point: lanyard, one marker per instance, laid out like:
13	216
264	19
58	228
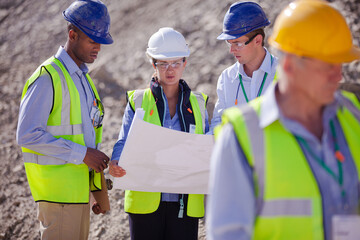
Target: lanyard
243	89
338	155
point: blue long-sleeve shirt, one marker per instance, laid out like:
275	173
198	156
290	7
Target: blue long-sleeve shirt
35	108
171	123
231	210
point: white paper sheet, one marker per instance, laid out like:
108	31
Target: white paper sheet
158	159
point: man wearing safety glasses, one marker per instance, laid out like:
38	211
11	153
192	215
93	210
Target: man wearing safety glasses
247	79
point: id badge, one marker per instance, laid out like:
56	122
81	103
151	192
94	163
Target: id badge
346	227
95	116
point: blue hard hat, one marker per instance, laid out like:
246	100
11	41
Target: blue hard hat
92	18
242	18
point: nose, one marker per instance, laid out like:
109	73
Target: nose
170	67
97	47
232	48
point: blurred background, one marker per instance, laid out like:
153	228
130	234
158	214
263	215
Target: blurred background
32	30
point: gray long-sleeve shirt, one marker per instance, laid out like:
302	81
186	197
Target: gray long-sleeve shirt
231	209
35	108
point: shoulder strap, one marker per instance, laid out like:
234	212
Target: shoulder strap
138	98
250	135
202	100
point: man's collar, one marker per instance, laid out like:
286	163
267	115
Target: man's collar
270	111
69	63
265	66
267	63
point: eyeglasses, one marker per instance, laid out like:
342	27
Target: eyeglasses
165	65
240	45
97	113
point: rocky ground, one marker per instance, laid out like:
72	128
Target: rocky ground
32	30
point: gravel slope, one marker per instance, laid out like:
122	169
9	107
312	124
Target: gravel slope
32	30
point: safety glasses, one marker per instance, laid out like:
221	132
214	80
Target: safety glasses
240	45
163	66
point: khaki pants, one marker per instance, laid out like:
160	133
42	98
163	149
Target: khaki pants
64	221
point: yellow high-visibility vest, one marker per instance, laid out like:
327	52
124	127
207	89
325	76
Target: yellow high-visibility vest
148	202
292	203
52	179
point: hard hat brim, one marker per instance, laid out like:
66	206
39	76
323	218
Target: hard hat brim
240	33
343	57
102	40
346	57
168	56
224	36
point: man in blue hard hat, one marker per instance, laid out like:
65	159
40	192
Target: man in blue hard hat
60	127
254	70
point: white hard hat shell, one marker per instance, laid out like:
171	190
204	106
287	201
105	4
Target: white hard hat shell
167	44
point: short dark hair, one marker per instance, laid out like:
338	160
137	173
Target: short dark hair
256	32
71	26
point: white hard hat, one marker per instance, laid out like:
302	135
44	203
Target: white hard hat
167	44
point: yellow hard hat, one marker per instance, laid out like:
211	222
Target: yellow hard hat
313	28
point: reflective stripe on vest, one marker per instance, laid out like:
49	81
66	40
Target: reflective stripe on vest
50	178
200	97
285	210
287	207
257	150
148	202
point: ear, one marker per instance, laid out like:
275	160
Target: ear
258	39
288	63
153	64
72	35
185	63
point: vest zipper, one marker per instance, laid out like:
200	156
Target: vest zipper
181	112
162	95
181	211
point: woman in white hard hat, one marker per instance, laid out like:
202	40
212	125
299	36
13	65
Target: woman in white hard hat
168	102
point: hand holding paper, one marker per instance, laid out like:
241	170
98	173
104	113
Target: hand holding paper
115	170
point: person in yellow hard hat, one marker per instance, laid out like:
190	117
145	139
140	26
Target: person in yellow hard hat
287	165
168	102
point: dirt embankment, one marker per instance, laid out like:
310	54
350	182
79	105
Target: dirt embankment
32	30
